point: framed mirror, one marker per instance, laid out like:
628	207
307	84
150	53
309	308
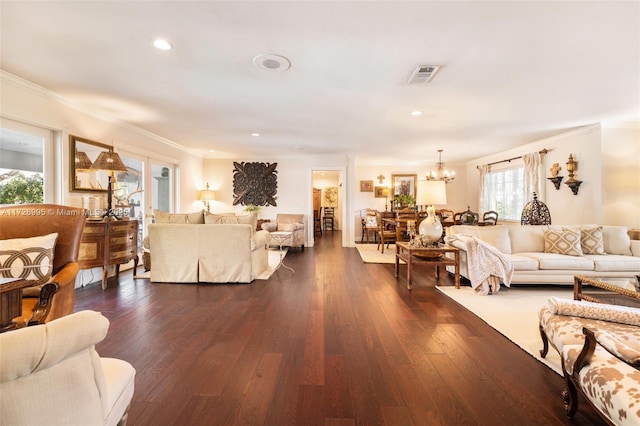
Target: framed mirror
83	153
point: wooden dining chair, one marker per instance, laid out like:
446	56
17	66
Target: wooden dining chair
386	234
489	218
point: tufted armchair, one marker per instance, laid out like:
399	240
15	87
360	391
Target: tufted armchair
289	222
56	297
51	374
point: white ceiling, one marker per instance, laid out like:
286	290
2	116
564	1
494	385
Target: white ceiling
512	72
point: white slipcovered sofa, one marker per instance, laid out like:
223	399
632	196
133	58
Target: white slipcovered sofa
205	247
51	374
554	254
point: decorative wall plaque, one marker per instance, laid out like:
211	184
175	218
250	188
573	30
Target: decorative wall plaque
255	183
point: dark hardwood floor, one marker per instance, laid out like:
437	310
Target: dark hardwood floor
339	342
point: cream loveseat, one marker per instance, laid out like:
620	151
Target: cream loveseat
51	374
205	247
599	346
553	254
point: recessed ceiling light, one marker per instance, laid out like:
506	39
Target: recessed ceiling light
416	113
255	134
271	62
212	150
162	44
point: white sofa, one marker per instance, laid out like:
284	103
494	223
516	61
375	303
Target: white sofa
524	247
206	247
51	374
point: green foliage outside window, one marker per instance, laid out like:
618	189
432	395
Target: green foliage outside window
21	189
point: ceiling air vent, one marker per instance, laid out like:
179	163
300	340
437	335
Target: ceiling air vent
423	74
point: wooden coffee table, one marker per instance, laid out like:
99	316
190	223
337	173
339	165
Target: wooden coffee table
434	255
607	292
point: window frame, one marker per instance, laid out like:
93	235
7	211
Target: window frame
509	200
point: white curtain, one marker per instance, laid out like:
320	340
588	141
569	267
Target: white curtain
531	174
484	201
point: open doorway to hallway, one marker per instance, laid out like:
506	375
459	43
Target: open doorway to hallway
327	202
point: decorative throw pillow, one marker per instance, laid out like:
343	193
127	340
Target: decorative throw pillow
591	240
164	217
28	258
565	241
599	311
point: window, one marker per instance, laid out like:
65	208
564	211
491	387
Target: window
504	192
26	173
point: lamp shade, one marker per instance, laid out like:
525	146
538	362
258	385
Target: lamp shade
109	160
431	192
82	161
207	195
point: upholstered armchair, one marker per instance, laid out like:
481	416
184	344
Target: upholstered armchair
294	223
52	374
55	296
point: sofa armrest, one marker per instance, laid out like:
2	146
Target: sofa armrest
635	248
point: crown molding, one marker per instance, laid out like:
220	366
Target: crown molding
94	112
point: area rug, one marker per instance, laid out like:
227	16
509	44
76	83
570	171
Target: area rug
370	254
274	259
514	313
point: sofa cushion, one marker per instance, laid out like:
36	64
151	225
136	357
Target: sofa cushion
521	262
616	240
164	217
565	241
608	383
216	219
497	236
561	262
527	238
28	258
615	262
591	241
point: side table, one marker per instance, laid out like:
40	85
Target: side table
11	299
435	255
281	237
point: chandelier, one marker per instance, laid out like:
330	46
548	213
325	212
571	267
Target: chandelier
440	173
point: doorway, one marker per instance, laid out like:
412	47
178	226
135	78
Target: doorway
327	203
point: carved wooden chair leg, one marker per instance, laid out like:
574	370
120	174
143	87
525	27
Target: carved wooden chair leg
569	396
545	342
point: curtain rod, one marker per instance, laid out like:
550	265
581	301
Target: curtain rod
541	152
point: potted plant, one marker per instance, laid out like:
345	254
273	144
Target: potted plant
252	209
405	200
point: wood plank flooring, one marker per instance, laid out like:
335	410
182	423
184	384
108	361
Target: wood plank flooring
337	343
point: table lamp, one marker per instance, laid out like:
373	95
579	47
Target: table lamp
206	196
431	192
109	161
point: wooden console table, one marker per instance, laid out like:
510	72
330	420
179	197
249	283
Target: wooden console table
11	299
108	242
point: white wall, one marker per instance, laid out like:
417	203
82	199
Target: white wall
621	177
25	102
601	198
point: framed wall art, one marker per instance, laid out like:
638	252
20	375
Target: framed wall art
255	183
404	184
381	191
366	186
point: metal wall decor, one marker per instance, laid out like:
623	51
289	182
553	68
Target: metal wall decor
535	213
255	183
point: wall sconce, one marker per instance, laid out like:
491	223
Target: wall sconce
557	180
381	178
207	195
572	183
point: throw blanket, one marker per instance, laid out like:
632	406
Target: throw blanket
486	265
